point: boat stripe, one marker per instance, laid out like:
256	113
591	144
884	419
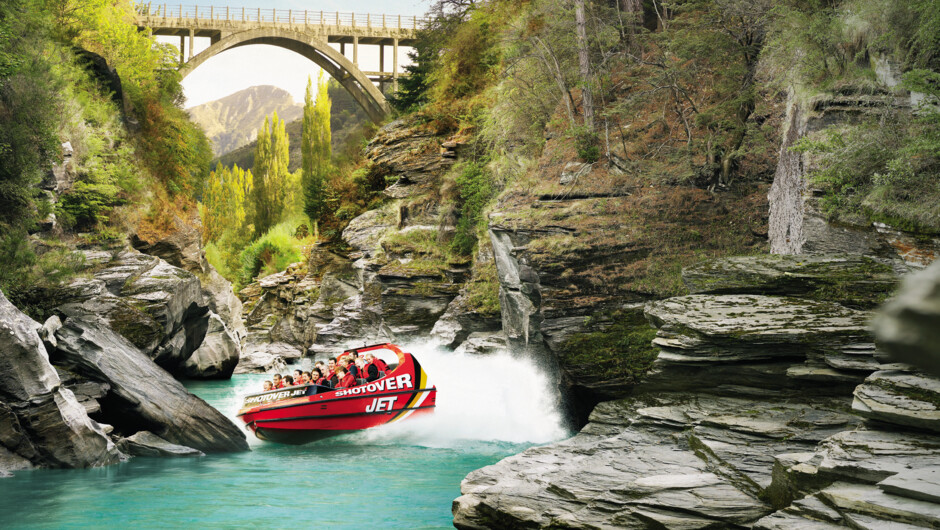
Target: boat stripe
299	418
332	400
422	379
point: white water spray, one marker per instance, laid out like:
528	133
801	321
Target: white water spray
495	397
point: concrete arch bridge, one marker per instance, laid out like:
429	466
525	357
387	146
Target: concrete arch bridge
308	33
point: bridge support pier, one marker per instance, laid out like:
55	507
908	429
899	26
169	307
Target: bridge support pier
182	47
395	65
192	40
382	67
356	51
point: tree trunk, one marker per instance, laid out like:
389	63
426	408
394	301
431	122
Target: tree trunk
634	11
584	61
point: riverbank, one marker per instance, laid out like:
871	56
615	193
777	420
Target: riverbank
404	475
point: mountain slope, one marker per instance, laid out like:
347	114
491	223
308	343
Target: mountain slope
234	120
346	120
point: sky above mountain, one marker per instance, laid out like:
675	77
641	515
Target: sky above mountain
248	66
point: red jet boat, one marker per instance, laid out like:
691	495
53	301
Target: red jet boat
306	413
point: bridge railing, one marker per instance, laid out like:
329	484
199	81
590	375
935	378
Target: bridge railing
278	16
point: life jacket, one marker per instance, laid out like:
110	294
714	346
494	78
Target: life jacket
279	385
353	369
366	371
348	381
380	364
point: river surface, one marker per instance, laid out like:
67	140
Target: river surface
402	475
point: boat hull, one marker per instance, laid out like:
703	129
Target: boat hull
308	413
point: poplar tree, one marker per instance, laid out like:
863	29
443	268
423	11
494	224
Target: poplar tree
270	180
315	148
224	202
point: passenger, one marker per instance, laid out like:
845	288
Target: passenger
346	378
331	375
370	370
320	366
316	376
380	364
298	377
278	381
288	381
268	385
351	367
306	378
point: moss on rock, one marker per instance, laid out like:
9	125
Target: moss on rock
622	351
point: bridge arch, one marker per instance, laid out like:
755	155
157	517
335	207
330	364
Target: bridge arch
317	50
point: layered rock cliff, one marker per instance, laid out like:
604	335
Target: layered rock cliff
763	409
389	281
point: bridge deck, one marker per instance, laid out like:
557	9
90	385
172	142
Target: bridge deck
213	21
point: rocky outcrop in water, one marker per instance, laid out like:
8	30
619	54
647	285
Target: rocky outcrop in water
145	443
41	422
217	356
748	418
158	307
141	396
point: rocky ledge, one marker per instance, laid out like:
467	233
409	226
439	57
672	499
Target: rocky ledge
161	309
95	383
388	280
766	409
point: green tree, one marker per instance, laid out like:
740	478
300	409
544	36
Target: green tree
271	176
315	149
224	201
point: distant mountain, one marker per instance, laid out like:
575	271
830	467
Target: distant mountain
235	120
346	121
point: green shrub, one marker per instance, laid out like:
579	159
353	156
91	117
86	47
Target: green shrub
87	206
474	191
417	242
272	252
29	106
24	273
586	144
483	290
885	168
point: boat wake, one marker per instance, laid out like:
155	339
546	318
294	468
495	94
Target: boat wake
492	398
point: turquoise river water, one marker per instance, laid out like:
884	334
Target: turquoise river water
400	476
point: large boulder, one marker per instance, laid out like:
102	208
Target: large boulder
278	310
365	231
262	360
223	302
158	307
908	326
142	396
218	354
459	322
40	421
